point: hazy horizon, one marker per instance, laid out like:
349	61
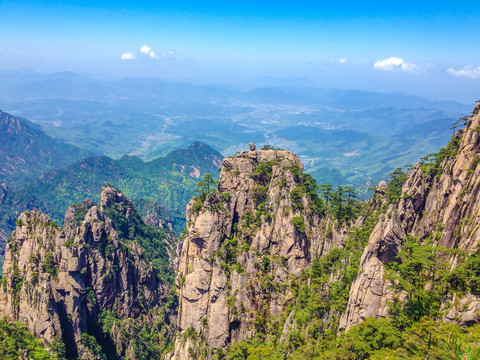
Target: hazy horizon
419	48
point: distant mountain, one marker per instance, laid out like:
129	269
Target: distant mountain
346	137
169	181
339	98
26	151
28	85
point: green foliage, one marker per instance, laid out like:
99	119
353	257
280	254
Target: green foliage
296	196
91	344
344	205
49	264
152	240
91	297
190	333
372	339
197	205
263	172
466	276
107	319
267	147
327	192
225	196
369	336
461	122
260	194
397	179
418	266
431	164
206	187
16	342
254	350
306	185
145	342
230	301
17	283
298	223
57	349
474	163
459	350
341	203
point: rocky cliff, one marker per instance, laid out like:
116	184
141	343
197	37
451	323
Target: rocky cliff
84	284
440	205
263	233
246	241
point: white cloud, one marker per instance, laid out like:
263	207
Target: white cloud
167	54
145	49
128	56
395	64
467	71
342	61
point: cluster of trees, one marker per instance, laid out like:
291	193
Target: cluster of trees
152	240
16	342
342	203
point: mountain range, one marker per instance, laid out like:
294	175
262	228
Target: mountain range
27	152
151	117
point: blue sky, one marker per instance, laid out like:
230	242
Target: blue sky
423	47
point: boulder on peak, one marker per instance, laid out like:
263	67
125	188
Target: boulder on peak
382	186
476	109
110	195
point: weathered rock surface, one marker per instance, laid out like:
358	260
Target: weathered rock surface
60	281
245	241
443	206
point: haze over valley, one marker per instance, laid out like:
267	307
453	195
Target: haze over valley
343	136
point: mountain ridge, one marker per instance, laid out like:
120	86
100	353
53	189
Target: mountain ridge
26	151
169	181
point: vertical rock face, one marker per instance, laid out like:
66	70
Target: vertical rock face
443	206
60	282
260	227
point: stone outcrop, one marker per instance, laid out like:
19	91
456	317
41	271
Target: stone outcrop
444	206
60	282
245	241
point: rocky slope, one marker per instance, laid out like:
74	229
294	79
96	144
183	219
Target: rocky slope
249	241
260	228
87	284
440	204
